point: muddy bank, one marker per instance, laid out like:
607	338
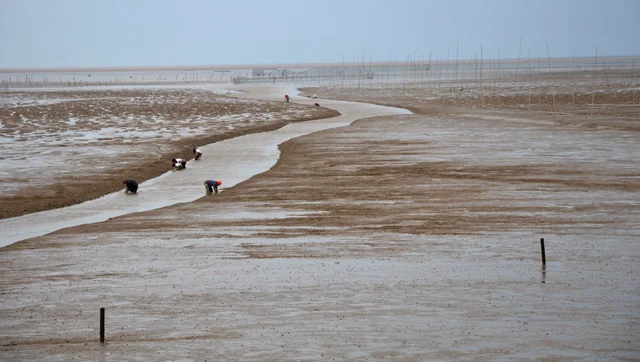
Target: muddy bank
74	146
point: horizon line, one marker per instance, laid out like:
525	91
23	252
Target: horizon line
228	67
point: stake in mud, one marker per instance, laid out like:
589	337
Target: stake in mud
102	325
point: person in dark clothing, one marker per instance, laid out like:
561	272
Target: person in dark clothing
212	186
197	153
131	186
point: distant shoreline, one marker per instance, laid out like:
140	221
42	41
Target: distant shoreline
195	68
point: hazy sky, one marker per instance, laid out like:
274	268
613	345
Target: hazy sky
66	33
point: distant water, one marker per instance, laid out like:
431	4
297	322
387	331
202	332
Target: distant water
421	68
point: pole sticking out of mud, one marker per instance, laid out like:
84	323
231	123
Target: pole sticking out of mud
544	258
515	79
595	65
481	66
553	95
102	324
633	76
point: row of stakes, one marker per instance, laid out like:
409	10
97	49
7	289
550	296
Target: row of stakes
102	310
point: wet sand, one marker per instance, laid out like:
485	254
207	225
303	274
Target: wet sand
412	237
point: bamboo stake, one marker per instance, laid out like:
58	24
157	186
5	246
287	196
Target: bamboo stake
575	86
430	53
492	75
413	69
475	68
613	109
498	66
447	69
633	76
553	95
593	95
389	71
456	74
404	73
342	72
481	85
539	85
515	79
529	87
439	73
422	70
606	76
358	71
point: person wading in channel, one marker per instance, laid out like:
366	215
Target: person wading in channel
131	186
197	153
212	186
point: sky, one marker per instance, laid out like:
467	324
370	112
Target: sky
120	33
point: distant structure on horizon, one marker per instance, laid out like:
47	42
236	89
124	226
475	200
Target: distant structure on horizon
261	72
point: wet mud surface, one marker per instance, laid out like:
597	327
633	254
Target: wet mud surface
410	237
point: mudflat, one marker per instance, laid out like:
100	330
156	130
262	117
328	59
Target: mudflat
397	237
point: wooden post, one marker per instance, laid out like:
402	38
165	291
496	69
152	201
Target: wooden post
102	324
544	258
